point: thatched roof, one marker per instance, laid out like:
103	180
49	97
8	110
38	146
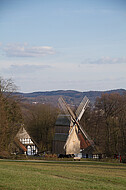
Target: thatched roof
22	133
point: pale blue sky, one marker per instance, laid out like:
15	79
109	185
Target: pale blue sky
63	44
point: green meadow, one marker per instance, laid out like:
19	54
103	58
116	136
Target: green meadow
43	175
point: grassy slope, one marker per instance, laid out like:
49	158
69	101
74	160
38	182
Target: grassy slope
61	175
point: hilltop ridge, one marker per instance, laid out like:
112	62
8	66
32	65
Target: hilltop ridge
71	96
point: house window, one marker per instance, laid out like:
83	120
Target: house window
29	151
95	156
27	141
30	141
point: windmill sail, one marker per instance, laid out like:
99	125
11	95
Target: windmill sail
66	108
82	107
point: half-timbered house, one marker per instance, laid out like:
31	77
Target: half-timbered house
24	143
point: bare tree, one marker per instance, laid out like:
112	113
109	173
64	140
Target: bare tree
10	114
112	107
40	121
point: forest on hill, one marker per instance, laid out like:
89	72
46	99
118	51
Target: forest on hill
105	122
71	96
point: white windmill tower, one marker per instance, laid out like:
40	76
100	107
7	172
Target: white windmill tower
72	145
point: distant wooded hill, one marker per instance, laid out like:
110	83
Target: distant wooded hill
72	97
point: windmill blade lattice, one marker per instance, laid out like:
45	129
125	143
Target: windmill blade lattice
66	108
80	110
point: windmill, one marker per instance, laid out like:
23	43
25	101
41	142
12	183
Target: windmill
76	133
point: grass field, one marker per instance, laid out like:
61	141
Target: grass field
61	175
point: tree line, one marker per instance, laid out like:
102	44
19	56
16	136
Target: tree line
105	121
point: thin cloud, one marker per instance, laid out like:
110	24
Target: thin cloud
18	50
106	60
23	69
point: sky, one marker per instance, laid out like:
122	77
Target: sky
50	45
